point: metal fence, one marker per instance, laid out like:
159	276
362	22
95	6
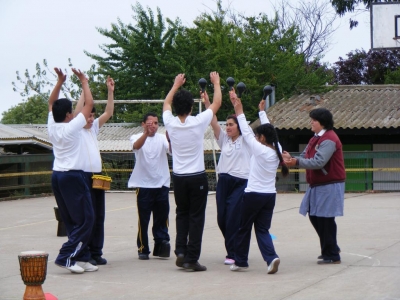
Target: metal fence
28	175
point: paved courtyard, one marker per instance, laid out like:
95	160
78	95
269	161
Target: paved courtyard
368	234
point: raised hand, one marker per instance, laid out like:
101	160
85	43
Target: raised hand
205	99
261	105
237	104
61	76
214	78
179	80
110	84
80	75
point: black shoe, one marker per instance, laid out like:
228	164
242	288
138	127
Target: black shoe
93	262
194	266
99	260
164	249
180	258
322	257
143	256
328	262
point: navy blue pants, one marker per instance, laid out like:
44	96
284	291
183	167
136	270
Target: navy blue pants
75	206
257	209
230	192
154	200
191	200
96	242
326	229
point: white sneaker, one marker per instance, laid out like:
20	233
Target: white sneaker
86	266
273	266
229	261
74	269
237	268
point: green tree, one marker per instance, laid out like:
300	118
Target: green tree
141	58
34	110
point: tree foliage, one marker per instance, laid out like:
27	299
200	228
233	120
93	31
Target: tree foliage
34	110
372	67
144	57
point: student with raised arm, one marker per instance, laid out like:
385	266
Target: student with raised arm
93	165
260	194
186	134
233	173
68	180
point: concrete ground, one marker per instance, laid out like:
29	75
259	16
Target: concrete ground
368	234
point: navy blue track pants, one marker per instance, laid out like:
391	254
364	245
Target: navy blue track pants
257	209
229	195
75	206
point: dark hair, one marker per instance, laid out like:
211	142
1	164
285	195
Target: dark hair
234	118
182	102
60	109
323	116
271	137
93	110
150	114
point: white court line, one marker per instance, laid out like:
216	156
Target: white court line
4	228
375	264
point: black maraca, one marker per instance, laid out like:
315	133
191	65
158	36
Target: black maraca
241	87
203	83
267	91
230	81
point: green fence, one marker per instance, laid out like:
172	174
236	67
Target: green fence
28	175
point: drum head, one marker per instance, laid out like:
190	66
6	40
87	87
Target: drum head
32	253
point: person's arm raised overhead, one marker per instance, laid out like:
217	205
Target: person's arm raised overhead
214	122
87	109
79	105
57	88
110	102
217	100
178	82
262	114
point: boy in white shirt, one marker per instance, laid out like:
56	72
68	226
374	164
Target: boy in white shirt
186	134
151	179
68	180
93	165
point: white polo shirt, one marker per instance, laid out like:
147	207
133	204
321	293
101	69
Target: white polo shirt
67	143
235	156
187	141
263	163
151	168
90	148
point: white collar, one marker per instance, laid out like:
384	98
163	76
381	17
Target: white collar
321	133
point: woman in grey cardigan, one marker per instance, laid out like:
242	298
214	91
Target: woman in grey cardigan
325	174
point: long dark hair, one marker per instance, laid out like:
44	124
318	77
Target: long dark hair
271	137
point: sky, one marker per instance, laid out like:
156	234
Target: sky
56	30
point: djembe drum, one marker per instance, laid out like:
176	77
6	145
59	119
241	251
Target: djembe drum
33	266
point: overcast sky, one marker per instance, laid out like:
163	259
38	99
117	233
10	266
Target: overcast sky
33	30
